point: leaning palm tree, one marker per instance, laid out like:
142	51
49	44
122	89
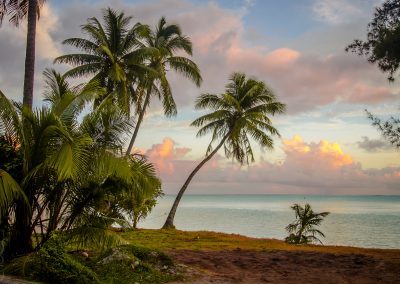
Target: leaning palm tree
168	40
110	55
18	10
302	230
241	113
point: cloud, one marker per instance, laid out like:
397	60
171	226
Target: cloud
342	11
322	154
12	55
335	12
309	168
165	155
221	46
373	145
308	82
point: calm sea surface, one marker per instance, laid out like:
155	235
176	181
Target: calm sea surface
364	221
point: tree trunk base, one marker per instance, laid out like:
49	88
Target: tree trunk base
168	226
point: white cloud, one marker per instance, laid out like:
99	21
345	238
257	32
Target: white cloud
335	11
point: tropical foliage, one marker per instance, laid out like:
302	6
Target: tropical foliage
168	40
131	62
139	202
390	129
382	47
238	115
383	34
111	55
303	230
73	171
65	177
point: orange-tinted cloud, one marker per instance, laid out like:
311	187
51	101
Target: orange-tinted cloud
324	152
295	144
163	155
309	167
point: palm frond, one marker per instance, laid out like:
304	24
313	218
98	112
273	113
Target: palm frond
10	191
186	67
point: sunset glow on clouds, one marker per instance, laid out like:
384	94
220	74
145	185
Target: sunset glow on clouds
330	154
320	167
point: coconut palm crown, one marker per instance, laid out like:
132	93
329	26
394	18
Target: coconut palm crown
110	55
237	116
168	40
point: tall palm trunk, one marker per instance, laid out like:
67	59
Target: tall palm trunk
169	223
30	54
139	121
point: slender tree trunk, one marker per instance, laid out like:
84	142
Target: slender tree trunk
30	54
169	223
140	119
134	223
21	236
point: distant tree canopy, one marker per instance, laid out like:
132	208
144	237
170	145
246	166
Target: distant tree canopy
383	39
390	129
383	47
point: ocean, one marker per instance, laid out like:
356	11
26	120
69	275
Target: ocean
362	221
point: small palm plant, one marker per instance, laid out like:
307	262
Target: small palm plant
303	229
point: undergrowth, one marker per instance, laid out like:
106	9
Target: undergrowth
122	264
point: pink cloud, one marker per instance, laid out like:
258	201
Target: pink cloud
303	81
319	168
282	57
165	155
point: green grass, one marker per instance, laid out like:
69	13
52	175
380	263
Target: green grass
204	240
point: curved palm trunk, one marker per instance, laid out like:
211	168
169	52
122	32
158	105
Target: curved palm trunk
169	223
140	119
30	54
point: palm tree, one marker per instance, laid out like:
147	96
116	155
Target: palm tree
240	112
302	230
168	40
111	55
47	148
139	201
20	9
70	167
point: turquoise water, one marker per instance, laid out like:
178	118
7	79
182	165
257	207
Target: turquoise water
363	221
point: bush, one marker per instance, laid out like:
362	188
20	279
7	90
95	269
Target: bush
52	264
130	264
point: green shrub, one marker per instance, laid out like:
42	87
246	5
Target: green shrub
135	264
148	255
52	264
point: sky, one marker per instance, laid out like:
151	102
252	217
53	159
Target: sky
327	143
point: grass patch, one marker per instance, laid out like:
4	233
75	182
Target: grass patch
212	241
